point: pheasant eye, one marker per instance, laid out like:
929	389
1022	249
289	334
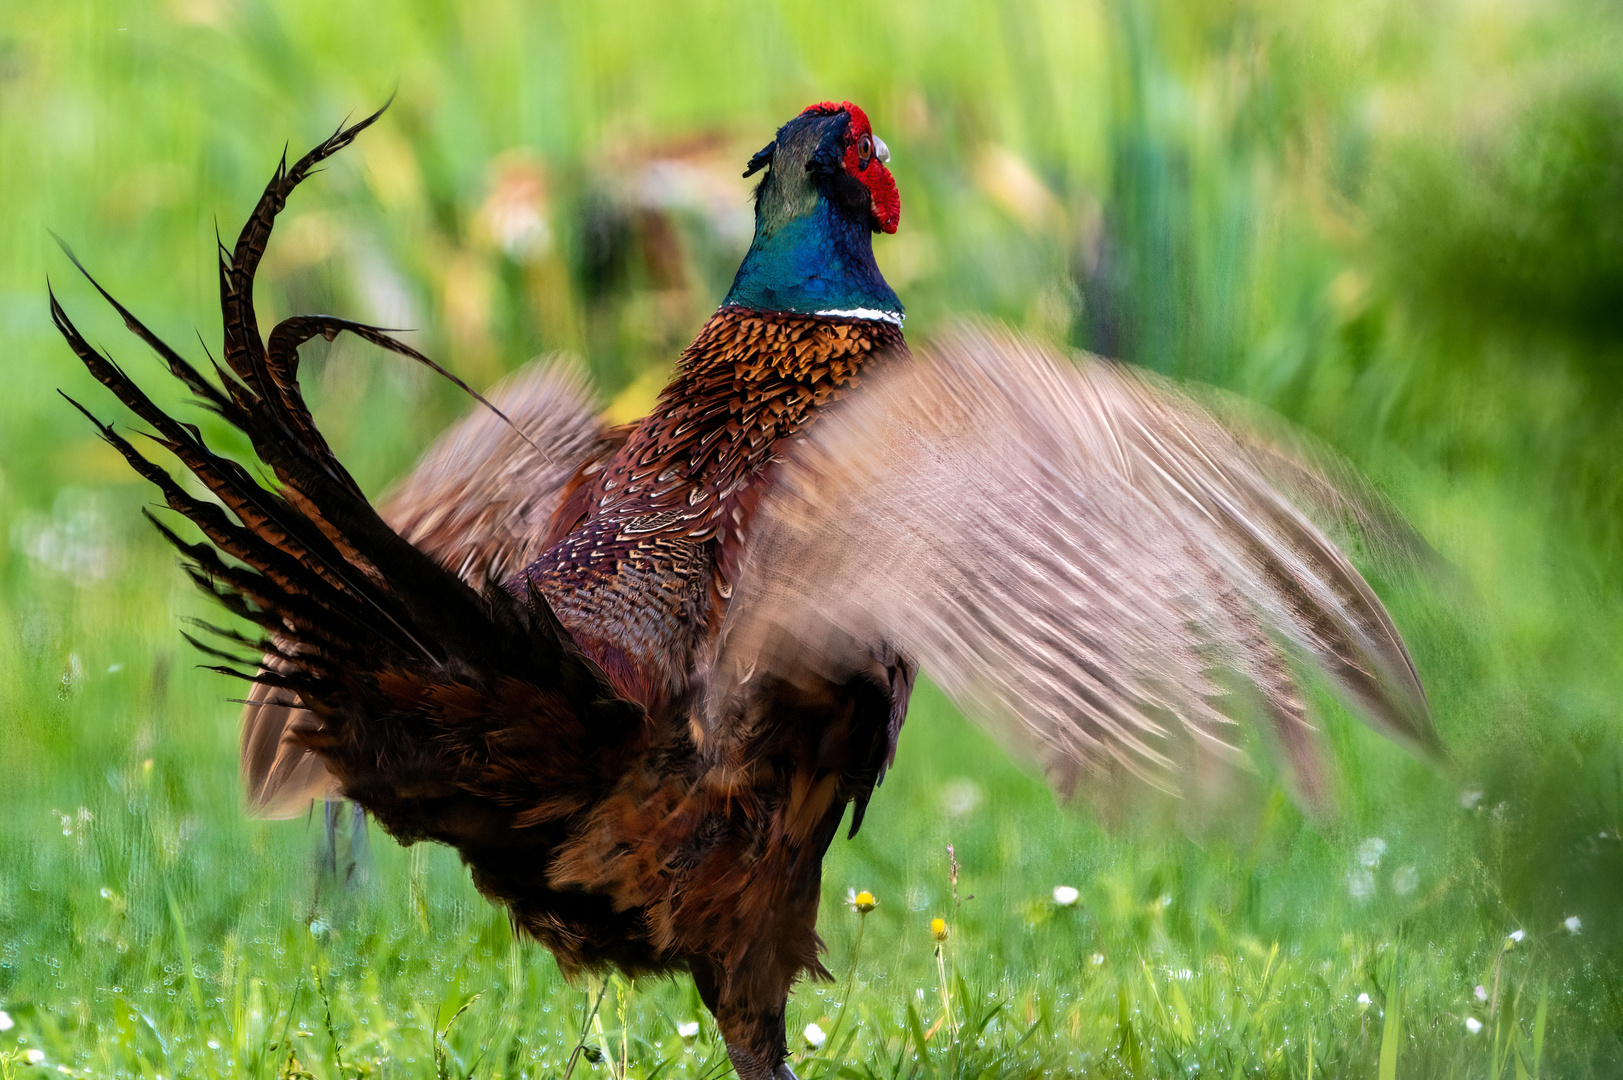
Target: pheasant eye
865	150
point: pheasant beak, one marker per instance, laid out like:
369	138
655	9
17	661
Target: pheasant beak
880	150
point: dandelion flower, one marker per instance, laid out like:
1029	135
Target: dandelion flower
1481	993
1065	895
1573	924
1473	1025
815	1036
688	1028
938	929
6	1022
863	902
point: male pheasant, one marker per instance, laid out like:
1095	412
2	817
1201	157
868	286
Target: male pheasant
635	676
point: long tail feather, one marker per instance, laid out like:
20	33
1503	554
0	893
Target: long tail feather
447	711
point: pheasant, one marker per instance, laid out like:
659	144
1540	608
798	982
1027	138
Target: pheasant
636	676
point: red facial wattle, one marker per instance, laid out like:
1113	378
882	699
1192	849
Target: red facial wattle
886	203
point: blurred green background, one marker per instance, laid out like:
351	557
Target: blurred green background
1399	225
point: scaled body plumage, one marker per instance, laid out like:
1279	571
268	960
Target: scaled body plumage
637	675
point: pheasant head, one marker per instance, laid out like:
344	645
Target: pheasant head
825	192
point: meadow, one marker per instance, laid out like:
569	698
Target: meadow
1398	227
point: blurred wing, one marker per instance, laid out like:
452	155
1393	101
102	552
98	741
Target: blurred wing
1080	556
480	501
279	774
1318	480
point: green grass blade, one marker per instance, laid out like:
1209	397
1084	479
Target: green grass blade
1392	1029
1539	1018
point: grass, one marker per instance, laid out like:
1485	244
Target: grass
1391	225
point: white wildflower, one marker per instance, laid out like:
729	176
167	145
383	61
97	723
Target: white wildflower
1481	993
1363	1001
1370	852
688	1029
1473	1025
1405	880
1098	959
960	797
1065	895
1573	924
34	1057
6	1022
1361	884
1469	799
1514	938
815	1037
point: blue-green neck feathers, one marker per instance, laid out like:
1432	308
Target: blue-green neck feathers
817	261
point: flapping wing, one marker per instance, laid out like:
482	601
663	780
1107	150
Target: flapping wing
1080	556
480	501
448	712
